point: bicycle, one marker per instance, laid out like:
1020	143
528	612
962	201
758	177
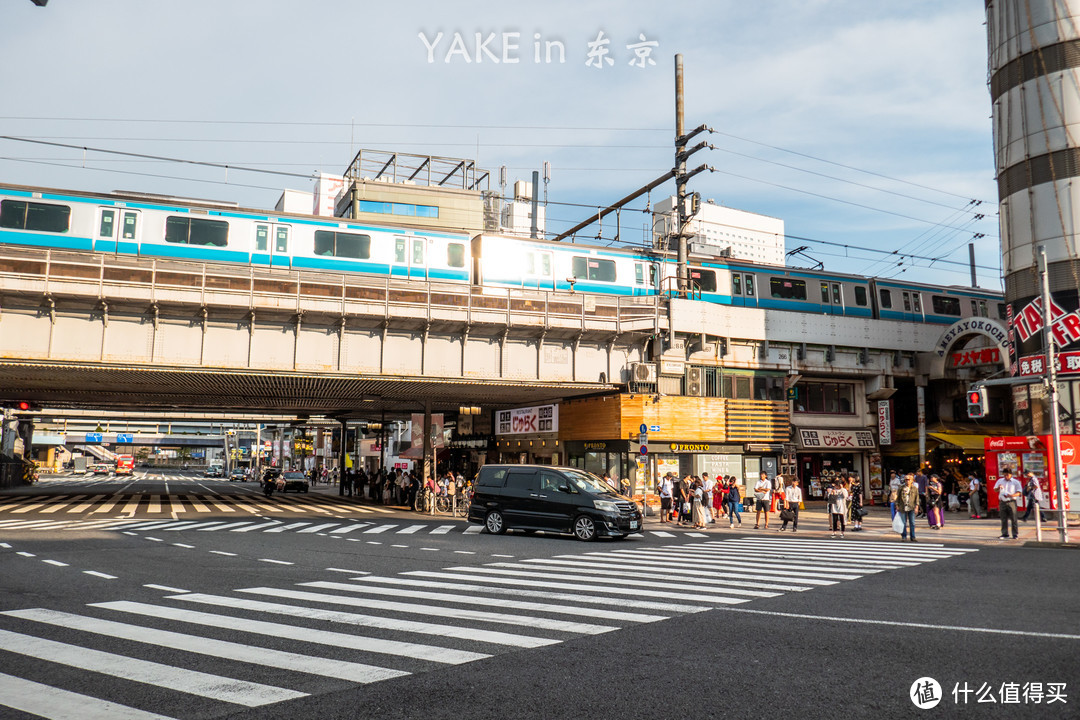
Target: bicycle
423	500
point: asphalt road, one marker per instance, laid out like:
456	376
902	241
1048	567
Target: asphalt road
222	621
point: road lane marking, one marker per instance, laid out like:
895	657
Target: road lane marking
95	573
343	670
50	702
331	638
166	588
193	682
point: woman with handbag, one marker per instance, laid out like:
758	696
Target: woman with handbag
792	499
856	495
935	515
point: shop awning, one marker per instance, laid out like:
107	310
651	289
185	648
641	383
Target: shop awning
960	441
907	448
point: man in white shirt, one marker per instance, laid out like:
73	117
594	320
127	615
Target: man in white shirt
761	499
1009	491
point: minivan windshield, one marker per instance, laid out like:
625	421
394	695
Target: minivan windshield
587	482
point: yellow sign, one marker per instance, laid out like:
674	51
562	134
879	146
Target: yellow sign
689	447
596	446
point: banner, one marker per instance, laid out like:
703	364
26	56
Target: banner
885	423
417	430
522	421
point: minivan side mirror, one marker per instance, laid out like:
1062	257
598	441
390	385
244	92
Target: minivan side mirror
565	488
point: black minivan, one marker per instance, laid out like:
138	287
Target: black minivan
555	499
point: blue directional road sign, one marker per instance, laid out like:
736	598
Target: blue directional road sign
124	438
654	428
93	438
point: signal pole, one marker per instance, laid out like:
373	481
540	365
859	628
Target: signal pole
680	180
1051	379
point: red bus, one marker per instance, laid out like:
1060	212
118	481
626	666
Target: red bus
125	464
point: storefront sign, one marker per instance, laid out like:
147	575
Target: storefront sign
1068	364
595	445
1012	443
689	447
1064	325
528	420
850	440
981	326
884	422
971	358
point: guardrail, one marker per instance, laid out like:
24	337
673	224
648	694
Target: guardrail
56	273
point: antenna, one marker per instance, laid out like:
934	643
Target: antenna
502	181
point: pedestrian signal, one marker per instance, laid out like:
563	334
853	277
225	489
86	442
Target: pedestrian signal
976	402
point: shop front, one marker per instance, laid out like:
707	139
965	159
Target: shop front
826	454
528	435
1023	454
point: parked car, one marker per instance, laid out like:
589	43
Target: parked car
555	499
237	475
295	481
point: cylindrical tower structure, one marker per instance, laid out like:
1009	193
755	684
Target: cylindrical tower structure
1034	79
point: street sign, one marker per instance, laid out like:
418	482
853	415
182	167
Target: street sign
654	428
793	393
124	438
642	438
644	450
644	428
93	438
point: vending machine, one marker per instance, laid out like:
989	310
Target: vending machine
1022	454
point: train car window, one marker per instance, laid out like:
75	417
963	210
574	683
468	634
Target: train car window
825	293
639	274
748	285
108	223
974	308
886	298
399	249
860	295
916	302
945	305
22	215
346	245
1001	311
131	221
982	309
418	251
836	294
907	302
787	289
736	284
653	272
704	279
593	269
192	231
545	264
455	255
262	238
281	245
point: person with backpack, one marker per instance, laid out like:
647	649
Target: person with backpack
790	510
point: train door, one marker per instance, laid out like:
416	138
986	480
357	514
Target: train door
737	290
832	300
418	258
271	245
118	231
645	277
749	290
912	306
541	270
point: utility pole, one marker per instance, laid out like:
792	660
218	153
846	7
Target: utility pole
680	180
1051	379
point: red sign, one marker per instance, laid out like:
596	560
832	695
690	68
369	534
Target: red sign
971	358
1013	443
1068	364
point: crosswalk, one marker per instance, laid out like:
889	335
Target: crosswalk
261	645
175	504
259	524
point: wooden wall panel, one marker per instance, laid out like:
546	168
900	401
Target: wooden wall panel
683	419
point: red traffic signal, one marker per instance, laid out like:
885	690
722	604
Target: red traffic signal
976	402
23	405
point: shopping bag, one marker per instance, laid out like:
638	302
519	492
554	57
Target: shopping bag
954	502
898	523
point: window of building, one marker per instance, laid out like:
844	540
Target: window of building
196	231
588	268
343	245
886	298
787	288
22	215
1001	311
860	295
825	397
945	305
455	255
402	209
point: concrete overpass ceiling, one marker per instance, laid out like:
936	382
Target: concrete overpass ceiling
362	397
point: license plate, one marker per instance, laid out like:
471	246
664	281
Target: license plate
633	524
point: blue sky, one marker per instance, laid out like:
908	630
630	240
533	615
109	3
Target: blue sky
863	124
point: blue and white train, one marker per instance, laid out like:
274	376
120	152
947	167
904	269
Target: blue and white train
149	226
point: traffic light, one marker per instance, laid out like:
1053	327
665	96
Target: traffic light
20	405
976	402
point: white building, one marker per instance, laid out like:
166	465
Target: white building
724	231
516	217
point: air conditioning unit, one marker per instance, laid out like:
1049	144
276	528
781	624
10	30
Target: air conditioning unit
694	382
643	373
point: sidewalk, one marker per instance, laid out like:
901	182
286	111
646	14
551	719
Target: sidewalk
814	524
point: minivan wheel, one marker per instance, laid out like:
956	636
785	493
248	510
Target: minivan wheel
584	528
494	523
